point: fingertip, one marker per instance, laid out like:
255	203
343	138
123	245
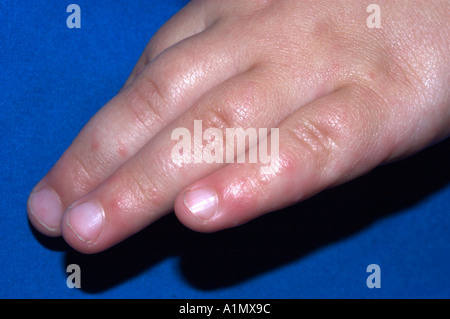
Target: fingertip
82	226
209	206
74	240
197	207
45	211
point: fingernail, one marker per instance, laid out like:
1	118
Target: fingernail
46	207
86	221
202	203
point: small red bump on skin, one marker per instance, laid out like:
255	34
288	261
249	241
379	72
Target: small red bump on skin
122	150
95	145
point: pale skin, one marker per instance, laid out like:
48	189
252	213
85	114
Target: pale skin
346	98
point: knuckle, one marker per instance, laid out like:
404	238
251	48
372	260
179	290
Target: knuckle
311	137
247	101
147	99
150	183
216	118
331	135
241	104
145	190
84	170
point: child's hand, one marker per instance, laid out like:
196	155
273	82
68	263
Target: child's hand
344	96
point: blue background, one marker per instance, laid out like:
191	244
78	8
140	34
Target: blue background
53	79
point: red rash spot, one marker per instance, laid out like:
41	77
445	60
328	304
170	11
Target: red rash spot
95	145
122	150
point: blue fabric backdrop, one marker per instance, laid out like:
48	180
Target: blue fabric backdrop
53	79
